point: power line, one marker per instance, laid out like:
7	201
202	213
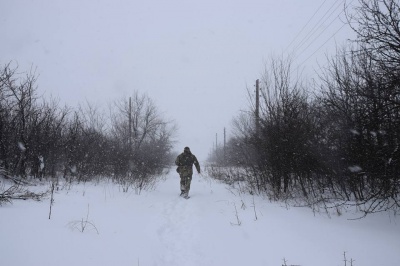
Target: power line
323	30
294	39
318	25
333	35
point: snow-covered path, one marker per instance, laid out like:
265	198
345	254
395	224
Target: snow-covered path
185	228
179	234
159	228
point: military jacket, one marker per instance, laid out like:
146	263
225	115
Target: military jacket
185	163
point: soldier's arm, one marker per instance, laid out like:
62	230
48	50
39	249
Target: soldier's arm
196	164
177	161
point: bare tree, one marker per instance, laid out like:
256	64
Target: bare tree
341	145
143	138
376	23
277	154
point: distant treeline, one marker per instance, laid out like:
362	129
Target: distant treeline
337	138
39	138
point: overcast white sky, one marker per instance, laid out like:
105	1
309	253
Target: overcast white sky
193	58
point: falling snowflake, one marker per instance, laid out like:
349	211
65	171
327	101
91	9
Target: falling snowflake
355	169
21	146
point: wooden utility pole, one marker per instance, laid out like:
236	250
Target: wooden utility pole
257	111
130	124
216	142
224	145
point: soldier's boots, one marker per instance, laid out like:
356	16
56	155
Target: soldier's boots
184	194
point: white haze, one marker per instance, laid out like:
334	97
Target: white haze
195	59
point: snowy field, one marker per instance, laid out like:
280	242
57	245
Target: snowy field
160	228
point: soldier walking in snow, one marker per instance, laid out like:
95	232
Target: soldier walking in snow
185	162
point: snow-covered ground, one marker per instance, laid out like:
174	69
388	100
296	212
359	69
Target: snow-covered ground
160	228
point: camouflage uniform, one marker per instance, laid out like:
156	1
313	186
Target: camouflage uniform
185	163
